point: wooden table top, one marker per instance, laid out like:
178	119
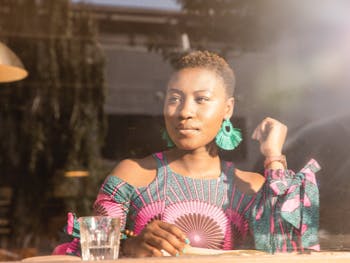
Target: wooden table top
319	257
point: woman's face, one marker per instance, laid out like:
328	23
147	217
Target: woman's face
195	106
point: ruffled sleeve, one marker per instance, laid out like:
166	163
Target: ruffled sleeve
286	215
72	230
114	198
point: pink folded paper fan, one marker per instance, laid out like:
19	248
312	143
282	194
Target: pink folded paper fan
204	224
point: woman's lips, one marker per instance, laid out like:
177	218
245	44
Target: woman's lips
187	130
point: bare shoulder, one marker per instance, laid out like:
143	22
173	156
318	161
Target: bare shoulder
249	182
137	172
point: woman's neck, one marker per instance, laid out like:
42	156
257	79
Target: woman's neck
199	163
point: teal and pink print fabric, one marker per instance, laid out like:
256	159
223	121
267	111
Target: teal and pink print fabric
213	213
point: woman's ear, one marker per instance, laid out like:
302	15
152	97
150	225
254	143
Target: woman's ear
230	105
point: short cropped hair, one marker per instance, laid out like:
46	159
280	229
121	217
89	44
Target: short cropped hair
211	61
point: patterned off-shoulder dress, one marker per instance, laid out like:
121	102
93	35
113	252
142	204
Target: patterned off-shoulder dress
213	213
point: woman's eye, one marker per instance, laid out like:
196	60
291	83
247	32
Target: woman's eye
202	99
173	99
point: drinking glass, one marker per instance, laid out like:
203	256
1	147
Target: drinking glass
99	237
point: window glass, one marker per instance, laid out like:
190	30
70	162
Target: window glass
96	85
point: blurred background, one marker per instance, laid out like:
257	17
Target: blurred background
97	71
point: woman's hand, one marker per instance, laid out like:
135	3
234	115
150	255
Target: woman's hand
156	237
271	135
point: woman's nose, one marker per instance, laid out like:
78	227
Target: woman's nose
186	110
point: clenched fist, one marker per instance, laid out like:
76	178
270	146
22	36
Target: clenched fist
271	135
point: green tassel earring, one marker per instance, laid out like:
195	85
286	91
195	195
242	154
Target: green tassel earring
228	137
167	139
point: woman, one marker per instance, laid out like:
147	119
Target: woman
188	194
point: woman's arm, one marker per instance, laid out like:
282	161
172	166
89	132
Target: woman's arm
114	200
285	217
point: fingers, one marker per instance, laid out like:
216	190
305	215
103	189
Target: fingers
137	247
161	236
150	251
140	246
266	126
271	135
168	237
260	131
156	239
174	230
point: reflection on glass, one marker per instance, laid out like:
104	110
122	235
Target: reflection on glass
96	90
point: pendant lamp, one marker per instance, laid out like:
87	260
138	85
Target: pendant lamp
11	67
